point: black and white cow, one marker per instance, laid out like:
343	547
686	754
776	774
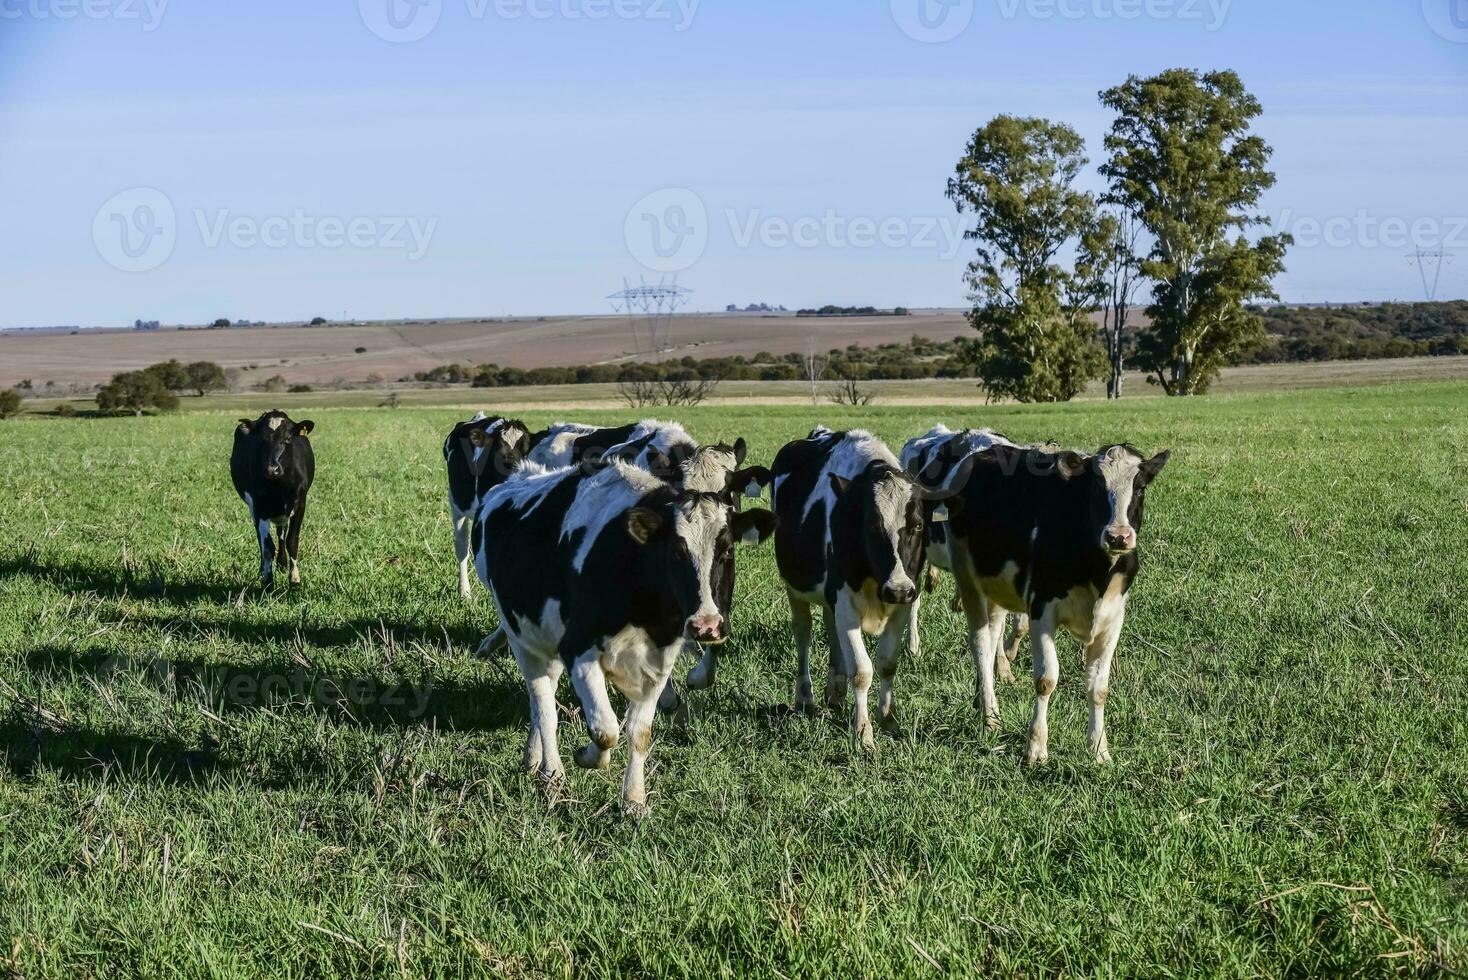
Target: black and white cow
666	450
480	454
272	467
607	574
849	538
1054	535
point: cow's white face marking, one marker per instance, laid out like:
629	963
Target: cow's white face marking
698	523
893	496
707	470
1119	468
275	422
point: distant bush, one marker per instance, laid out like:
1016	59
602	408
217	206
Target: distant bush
359	350
273	383
374	378
298	389
205	376
10	400
318	321
136	392
65	410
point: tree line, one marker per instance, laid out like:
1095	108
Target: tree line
1184	177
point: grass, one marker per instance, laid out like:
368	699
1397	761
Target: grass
199	778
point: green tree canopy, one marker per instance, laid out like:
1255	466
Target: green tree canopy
136	391
1036	342
1184	163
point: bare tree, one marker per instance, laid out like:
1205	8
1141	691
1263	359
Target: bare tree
688	391
848	391
1122	267
815	365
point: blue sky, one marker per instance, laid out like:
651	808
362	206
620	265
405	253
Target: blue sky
188	159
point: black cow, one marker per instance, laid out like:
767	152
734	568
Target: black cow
1054	535
608	574
480	453
849	538
272	467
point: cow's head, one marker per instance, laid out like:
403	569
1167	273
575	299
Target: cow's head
890	524
1115	481
272	435
495	447
689	542
719	468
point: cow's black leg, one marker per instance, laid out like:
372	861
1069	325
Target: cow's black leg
293	538
836	667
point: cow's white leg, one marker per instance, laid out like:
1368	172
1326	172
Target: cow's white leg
980	614
1098	682
889	650
858	668
800	627
596	707
1047	675
267	552
639	740
701	677
542	750
836	662
462	526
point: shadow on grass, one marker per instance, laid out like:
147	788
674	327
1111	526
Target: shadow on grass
117	581
224	687
81	752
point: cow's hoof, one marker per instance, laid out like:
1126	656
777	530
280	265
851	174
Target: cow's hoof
991	722
1004	671
888	723
1037	756
295	576
550	778
956	605
464	592
806	706
1101	756
593	756
636	810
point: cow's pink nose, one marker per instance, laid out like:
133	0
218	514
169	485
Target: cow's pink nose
705	629
1121	538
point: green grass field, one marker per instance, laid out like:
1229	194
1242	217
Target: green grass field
200	779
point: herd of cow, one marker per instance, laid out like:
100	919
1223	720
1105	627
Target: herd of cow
610	550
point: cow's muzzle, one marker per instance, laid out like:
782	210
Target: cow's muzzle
899	595
708	628
1119	540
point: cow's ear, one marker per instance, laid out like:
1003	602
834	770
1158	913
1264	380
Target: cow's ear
839	484
1153	466
752	526
246	426
304	428
750	482
643	524
1071	464
523	446
740	450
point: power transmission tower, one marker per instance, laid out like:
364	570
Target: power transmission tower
650	310
1433	259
